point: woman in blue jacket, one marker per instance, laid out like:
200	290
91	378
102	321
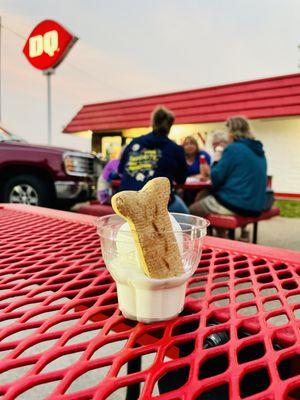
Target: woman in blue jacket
239	179
192	156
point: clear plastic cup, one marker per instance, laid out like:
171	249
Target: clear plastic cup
140	297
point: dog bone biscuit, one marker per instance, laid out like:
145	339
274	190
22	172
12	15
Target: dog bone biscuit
147	214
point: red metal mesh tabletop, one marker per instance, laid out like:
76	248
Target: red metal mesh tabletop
63	337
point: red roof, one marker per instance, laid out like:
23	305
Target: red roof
261	98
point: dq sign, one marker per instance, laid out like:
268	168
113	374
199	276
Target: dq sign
48	44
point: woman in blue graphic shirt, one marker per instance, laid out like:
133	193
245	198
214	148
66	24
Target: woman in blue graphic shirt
192	156
154	155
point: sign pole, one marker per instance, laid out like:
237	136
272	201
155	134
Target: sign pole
48	74
46	47
0	69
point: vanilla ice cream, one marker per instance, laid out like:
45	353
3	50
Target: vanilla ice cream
140	297
126	247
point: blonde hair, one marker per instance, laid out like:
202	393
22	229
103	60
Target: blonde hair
239	127
193	141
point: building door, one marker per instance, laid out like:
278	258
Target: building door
108	144
111	146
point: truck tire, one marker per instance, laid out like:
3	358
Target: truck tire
27	189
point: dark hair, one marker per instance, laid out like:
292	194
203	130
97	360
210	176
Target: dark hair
194	142
162	119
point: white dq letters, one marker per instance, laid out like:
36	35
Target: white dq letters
47	44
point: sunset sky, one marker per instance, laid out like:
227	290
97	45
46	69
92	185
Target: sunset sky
130	48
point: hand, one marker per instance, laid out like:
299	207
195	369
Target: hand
204	178
218	153
217	156
201	178
198	176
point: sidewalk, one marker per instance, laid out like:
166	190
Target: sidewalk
280	232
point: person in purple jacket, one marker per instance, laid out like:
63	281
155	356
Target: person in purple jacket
110	172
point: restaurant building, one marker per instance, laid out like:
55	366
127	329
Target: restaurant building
272	105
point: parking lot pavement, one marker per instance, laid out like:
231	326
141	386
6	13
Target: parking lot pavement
280	232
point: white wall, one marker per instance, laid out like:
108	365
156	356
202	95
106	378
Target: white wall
281	140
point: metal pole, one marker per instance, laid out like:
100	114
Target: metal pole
49	107
48	74
0	69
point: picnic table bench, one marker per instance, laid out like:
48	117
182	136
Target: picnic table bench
232	222
62	336
99	210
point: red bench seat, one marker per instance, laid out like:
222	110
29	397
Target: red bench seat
232	222
98	210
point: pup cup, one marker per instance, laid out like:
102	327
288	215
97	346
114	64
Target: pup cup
142	297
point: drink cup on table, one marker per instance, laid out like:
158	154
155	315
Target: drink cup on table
204	168
150	253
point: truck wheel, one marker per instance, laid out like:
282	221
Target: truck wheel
27	189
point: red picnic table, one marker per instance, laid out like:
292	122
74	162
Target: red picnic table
188	185
200	185
62	336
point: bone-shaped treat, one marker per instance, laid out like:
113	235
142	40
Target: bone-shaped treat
147	214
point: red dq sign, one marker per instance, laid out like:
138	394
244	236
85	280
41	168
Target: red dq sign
48	44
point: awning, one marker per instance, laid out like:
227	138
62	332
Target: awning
262	98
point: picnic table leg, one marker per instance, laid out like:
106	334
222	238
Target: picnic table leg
231	233
255	232
133	391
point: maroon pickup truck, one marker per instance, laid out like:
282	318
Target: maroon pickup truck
43	175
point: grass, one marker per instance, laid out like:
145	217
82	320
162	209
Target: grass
289	208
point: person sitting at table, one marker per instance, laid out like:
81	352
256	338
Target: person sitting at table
192	156
219	142
104	187
155	155
239	178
